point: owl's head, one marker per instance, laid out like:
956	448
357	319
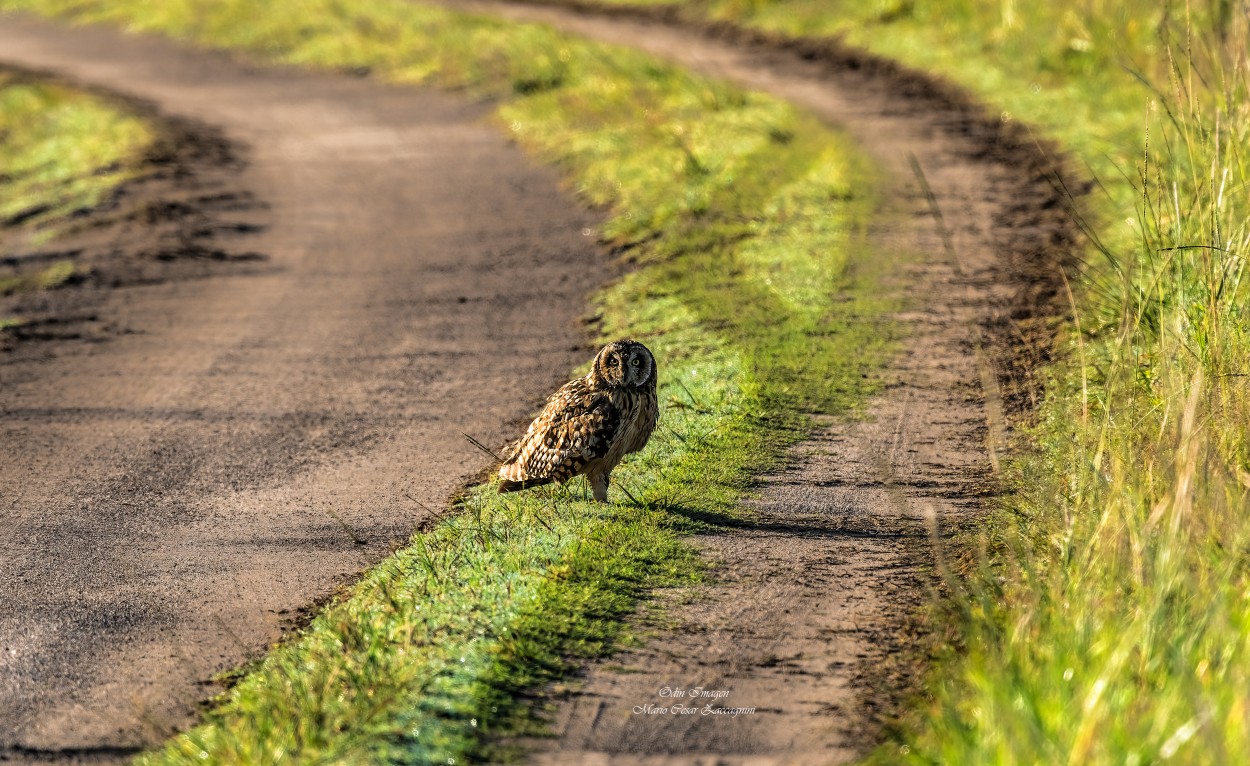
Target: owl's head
624	363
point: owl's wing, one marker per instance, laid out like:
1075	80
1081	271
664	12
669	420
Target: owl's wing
575	427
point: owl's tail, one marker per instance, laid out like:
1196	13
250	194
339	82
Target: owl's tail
508	485
512	478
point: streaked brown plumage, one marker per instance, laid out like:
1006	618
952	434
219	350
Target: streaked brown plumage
589	424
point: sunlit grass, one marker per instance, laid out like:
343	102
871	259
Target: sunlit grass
45	278
742	216
1111	623
62	152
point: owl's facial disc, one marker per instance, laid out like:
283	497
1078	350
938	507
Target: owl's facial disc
624	363
639	366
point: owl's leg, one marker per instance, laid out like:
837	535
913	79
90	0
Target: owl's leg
599	483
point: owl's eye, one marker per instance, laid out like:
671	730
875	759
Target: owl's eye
634	362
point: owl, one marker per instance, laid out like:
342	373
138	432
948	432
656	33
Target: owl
589	424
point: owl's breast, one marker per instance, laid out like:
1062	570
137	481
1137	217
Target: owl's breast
639	413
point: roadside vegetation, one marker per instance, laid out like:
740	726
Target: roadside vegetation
1110	620
62	152
741	216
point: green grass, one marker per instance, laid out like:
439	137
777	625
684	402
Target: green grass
1111	621
741	215
62	152
45	278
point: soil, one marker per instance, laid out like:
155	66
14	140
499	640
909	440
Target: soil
203	456
812	619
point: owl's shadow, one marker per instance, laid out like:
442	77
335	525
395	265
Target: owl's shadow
841	523
807	522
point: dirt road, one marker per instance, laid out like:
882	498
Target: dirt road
245	443
808	622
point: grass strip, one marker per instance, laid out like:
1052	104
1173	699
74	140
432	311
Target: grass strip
1111	623
752	289
62	152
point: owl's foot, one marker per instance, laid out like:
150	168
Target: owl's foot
599	483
